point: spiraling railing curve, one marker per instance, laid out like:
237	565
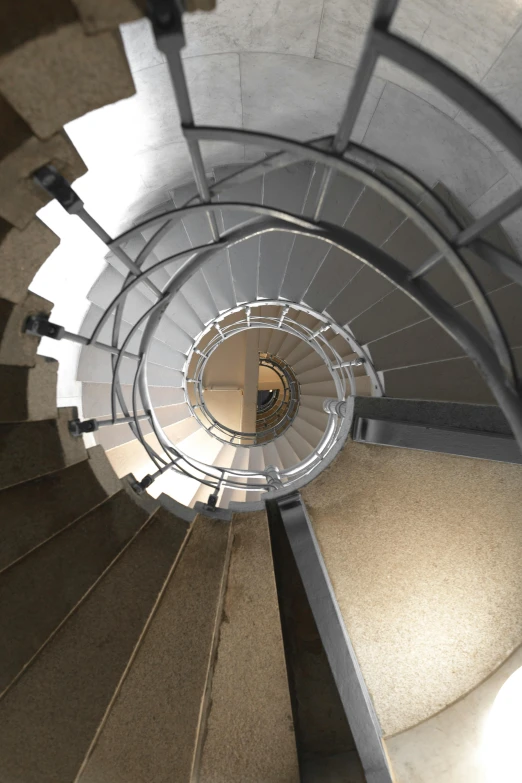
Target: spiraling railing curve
338	154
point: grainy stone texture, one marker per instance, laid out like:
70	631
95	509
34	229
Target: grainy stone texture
102	469
455	746
35	448
28	393
13	130
151	731
32	512
249	732
60	76
48	719
97	15
42	588
20	197
22	21
452	380
22	253
16	347
424	554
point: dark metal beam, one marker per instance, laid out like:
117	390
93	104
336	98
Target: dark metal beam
445	440
350	683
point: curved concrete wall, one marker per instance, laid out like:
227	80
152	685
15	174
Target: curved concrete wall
286	68
469	741
424	554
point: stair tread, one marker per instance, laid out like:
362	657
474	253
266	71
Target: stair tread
43	728
46	585
167	679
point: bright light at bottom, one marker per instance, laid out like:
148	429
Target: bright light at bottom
501	752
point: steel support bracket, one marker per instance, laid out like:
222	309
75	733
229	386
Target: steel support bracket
166	18
41	326
213	511
212	501
50	179
140	486
77	427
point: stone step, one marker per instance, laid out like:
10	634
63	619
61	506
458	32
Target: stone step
49	91
37	510
248	733
28	393
17	347
310	432
167	680
97	16
40	590
244	257
302	447
409	535
35	448
22	253
50	715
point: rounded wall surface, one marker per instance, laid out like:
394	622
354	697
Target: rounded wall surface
424	553
286	68
477	739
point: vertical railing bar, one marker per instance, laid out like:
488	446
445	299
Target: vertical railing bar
82	340
136	426
100	232
168	31
382	17
495	215
121	420
116	390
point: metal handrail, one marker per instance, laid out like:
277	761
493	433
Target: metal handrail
197	360
271	413
338	155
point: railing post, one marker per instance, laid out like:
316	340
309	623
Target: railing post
382	17
168	31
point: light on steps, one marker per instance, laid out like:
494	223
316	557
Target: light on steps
501	755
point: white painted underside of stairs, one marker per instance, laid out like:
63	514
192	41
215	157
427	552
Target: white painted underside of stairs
65	279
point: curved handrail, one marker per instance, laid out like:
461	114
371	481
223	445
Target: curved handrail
317	341
338	155
436	306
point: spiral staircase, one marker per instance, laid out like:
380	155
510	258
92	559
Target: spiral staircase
213	565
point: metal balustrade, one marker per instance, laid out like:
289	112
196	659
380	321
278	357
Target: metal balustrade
272	419
248	317
338	154
278	412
